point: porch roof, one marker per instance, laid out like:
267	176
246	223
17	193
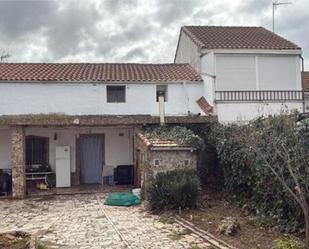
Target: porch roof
97	120
158	144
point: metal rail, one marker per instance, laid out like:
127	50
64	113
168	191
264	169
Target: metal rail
264	95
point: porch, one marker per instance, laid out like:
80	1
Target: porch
66	160
76	150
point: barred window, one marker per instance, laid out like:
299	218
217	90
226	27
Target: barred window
37	150
116	94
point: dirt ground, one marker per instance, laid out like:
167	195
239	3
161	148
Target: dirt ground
16	240
250	236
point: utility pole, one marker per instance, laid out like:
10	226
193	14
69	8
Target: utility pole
275	4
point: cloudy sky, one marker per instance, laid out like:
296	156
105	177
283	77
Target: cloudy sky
130	30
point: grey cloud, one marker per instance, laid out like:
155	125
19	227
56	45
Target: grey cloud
129	30
135	54
19	17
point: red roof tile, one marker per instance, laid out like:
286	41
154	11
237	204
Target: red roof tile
225	37
101	72
306	81
163	143
204	105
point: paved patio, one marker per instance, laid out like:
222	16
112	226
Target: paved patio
81	221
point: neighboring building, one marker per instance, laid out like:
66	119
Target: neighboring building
247	71
80	120
157	155
306	88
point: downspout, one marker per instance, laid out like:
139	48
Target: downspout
302	80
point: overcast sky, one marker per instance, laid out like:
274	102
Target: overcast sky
130	30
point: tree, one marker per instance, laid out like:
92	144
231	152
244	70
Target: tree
282	145
4	55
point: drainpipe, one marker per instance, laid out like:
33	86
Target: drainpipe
302	80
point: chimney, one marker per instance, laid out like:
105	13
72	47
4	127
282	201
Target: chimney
161	109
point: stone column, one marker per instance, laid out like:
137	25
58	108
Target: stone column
18	159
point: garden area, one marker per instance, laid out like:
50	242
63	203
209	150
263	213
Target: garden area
261	197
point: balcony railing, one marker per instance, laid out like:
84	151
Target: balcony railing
269	96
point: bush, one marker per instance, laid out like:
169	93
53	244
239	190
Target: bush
286	243
252	182
174	189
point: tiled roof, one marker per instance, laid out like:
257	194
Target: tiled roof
225	37
162	143
306	81
204	105
100	72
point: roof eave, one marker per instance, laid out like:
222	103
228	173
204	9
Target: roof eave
251	51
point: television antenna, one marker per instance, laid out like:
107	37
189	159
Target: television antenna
275	5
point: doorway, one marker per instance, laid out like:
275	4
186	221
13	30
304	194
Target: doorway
91	158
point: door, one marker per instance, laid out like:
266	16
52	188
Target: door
63	166
91	158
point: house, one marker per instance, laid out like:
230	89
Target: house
79	121
306	88
247	71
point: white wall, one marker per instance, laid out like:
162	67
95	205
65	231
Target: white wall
83	99
245	111
208	73
188	52
118	149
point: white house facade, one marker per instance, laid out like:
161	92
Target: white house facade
78	122
247	71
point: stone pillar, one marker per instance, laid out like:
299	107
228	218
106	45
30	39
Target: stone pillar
18	159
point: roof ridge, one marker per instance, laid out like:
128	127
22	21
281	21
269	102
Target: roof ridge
93	63
224	26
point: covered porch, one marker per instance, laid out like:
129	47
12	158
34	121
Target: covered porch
64	151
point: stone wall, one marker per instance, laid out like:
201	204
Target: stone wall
169	159
18	162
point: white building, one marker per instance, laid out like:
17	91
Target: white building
79	120
247	71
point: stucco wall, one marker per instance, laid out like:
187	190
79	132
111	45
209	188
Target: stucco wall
118	149
237	111
188	52
83	99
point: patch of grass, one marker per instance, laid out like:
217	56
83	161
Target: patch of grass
176	235
40	245
166	219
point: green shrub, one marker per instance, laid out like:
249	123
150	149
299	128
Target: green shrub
286	243
180	134
174	189
247	177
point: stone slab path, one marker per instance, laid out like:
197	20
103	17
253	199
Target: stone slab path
82	222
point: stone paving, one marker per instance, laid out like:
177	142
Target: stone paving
82	222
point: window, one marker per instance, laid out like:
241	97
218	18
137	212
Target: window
116	94
37	150
157	162
162	91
